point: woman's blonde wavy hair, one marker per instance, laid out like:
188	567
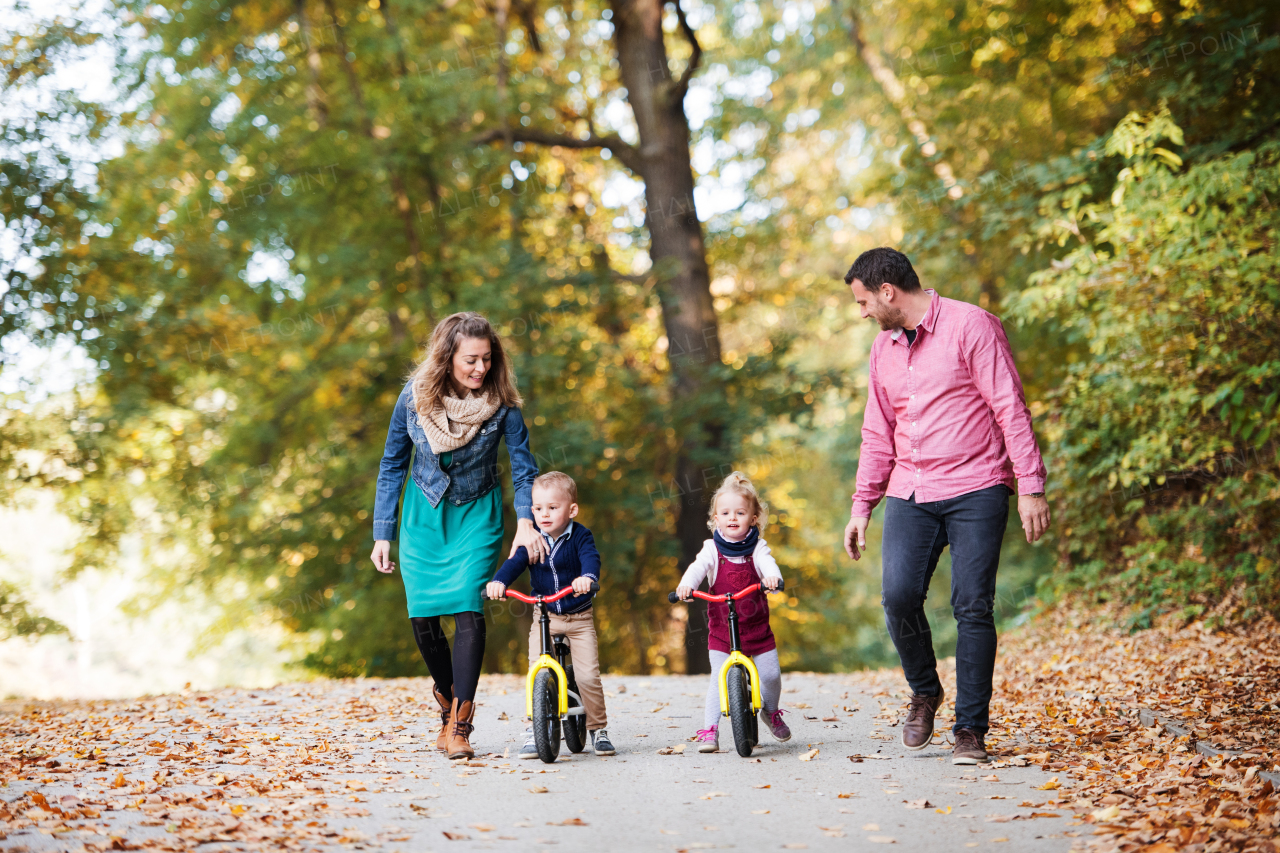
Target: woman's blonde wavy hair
740	484
430	377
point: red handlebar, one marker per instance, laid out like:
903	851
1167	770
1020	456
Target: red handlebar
742	593
534	599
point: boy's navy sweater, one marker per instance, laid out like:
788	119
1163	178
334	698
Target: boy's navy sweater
573	555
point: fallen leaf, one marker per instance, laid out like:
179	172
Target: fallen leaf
762	786
871	827
946	810
572	821
992	778
882	839
1109	813
918	804
452	836
1051	785
483	827
713	795
809	756
537	789
760	811
847	795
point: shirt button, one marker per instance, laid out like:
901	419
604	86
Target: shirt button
910	368
913	396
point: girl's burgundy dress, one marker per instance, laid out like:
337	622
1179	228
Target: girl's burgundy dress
753	611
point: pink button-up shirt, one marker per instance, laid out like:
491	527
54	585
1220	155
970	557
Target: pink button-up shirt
946	415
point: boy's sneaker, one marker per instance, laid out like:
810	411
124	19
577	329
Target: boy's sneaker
708	739
773	719
530	748
600	743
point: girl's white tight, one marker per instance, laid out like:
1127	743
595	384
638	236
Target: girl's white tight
770	683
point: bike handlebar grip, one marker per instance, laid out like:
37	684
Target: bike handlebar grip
781	584
672	597
595	587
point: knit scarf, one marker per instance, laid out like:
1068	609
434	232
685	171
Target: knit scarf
745	548
454	422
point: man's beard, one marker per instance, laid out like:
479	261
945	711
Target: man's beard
893	319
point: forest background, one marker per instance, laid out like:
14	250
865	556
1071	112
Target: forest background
244	233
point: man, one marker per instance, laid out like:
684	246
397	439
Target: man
946	436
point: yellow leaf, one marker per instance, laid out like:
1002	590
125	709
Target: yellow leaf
1109	813
1051	785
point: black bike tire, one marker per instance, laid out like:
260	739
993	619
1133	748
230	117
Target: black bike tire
740	712
575	725
546	715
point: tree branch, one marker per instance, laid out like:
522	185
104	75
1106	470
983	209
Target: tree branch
695	59
896	94
628	155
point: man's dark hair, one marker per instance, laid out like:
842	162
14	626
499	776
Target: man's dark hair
874	267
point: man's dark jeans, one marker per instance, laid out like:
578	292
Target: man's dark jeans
914	536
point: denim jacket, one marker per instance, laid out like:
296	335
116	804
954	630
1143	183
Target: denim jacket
472	473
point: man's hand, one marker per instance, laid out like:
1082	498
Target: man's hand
1035	515
855	537
495	591
582	584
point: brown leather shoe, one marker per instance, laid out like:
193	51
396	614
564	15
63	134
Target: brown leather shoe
442	739
971	748
460	729
917	731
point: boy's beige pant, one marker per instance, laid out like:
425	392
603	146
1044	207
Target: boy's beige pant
580	630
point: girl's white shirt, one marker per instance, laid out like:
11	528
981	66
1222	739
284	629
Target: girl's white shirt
704	565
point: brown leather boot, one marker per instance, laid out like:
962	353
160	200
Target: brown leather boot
460	729
442	739
917	731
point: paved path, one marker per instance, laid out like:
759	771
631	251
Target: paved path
323	764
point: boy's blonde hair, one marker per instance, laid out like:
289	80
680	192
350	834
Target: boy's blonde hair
739	484
557	480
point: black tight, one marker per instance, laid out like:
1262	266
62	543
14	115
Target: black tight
459	673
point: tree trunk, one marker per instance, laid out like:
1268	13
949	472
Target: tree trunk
679	256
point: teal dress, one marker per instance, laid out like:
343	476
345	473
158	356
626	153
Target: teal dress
448	552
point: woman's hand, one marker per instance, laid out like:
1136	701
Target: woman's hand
771	583
685	593
381	557
528	536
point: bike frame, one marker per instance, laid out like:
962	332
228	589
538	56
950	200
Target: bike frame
545	659
736	656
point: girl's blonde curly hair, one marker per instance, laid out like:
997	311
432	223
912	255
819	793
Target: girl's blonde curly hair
739	484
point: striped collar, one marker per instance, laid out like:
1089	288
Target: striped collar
553	544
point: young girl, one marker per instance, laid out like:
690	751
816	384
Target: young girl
732	560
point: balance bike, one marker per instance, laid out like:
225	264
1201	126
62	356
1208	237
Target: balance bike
739	678
551	691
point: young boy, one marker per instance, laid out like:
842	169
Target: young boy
572	559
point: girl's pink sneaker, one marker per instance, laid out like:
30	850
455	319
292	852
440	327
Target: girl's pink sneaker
774	722
708	739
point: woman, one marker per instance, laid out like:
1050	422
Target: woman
458	402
